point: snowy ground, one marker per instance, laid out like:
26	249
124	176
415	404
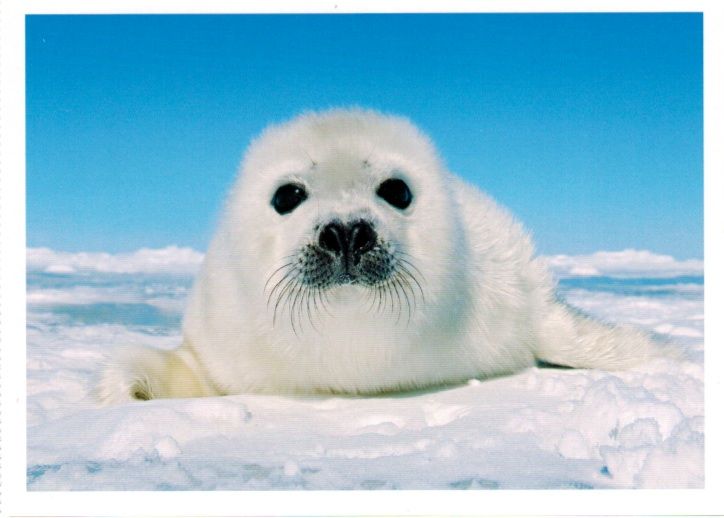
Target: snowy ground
542	428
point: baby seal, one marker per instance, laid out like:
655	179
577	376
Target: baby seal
349	260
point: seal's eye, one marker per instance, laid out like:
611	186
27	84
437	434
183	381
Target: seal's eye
395	192
288	197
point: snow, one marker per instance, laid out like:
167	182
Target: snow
171	259
541	428
626	262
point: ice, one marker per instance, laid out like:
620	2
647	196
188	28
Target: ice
631	263
541	428
167	260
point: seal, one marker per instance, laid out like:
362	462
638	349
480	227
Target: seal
348	259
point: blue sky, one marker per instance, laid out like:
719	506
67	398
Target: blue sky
588	127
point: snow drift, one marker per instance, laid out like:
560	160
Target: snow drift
542	428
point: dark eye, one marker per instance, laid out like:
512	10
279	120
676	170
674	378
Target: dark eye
395	192
288	197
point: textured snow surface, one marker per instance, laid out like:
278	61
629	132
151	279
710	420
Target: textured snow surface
542	428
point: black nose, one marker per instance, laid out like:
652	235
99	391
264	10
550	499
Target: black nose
362	237
353	239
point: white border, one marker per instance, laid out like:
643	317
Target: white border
358	6
714	246
17	501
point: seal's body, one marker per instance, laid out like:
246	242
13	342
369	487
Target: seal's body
349	260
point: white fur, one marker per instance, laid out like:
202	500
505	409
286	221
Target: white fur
486	308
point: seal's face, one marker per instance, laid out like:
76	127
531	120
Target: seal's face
340	212
353	246
346	252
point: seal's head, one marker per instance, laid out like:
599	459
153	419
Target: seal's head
347	223
344	211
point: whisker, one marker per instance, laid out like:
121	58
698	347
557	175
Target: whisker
326	301
276	286
410	264
299	289
407	299
387	292
401	277
271	276
305	299
413	278
323	300
313	293
371	298
380	293
399	301
310	294
282	295
295	294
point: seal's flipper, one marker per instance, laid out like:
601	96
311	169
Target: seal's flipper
141	373
571	338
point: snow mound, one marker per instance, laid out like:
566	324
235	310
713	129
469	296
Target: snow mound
629	263
178	260
541	428
172	260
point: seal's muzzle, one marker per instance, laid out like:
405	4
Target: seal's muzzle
348	242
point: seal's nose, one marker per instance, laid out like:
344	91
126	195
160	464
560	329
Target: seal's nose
362	237
333	238
351	240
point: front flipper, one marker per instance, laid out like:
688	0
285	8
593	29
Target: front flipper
141	373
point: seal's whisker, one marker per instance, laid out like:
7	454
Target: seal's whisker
375	298
295	294
307	295
413	278
312	309
313	292
271	276
283	295
411	264
326	301
393	306
379	298
388	274
371	296
299	288
399	301
293	301
397	280
323	300
278	300
401	277
300	306
278	284
387	292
